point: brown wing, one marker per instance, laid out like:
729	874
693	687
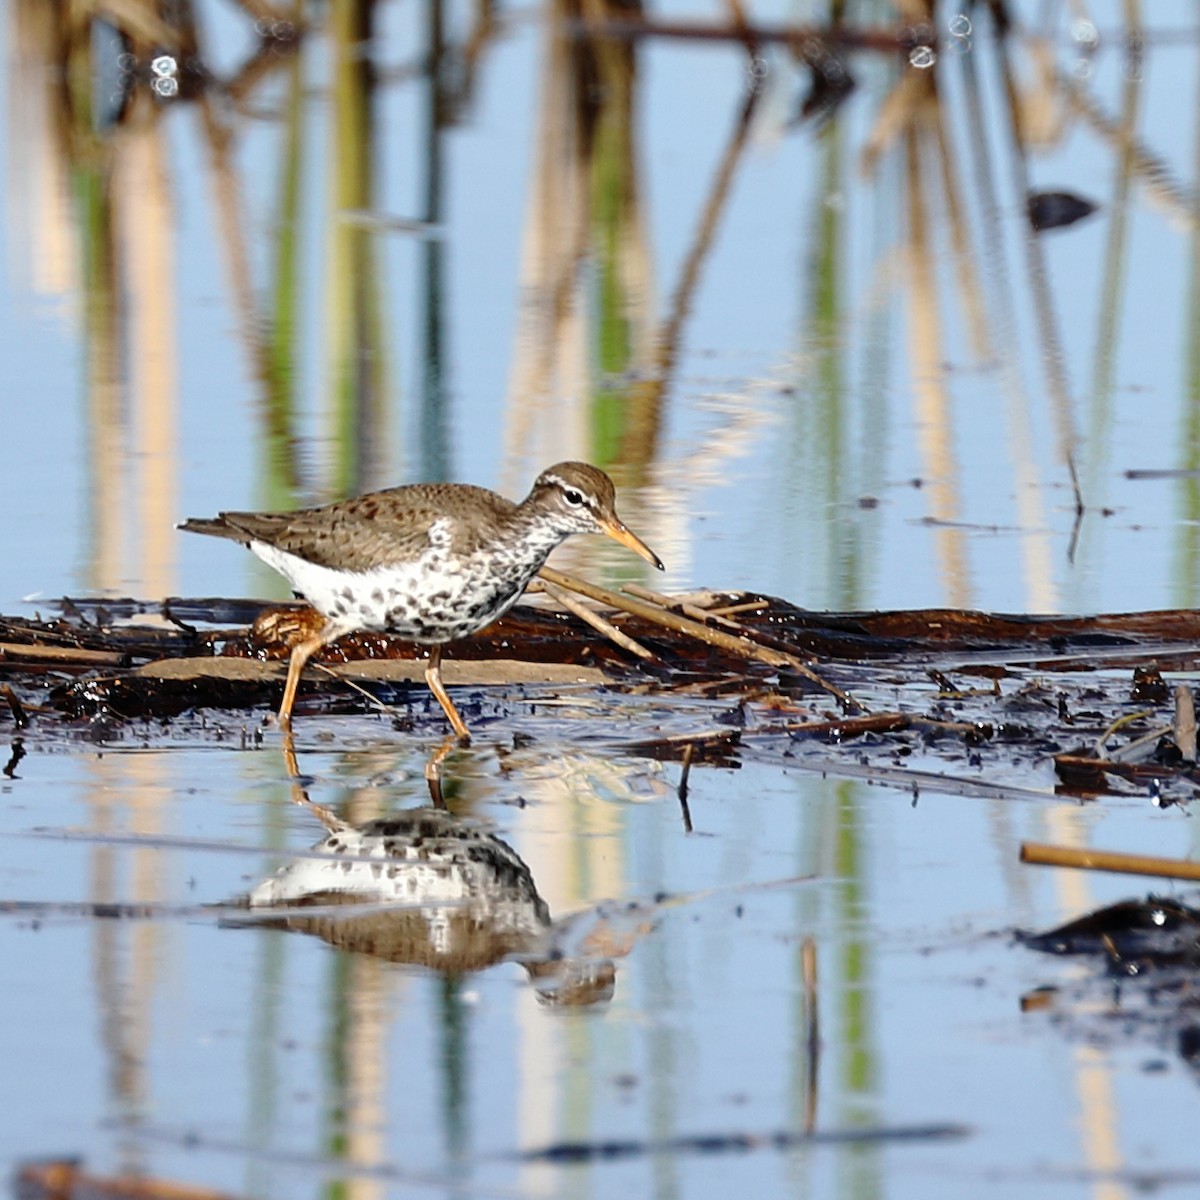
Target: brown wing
367	531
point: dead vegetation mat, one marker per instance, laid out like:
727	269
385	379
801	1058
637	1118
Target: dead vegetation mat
971	702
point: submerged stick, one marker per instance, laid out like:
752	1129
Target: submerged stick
688	754
1041	854
743	647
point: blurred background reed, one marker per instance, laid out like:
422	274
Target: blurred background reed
309	150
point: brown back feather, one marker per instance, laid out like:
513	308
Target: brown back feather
367	531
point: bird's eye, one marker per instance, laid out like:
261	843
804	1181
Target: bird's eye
572	497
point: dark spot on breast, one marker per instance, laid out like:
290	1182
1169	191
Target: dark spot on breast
347	594
377	595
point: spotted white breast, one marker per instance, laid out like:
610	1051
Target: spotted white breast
436	597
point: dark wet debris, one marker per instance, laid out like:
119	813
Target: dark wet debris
1015	702
1131	937
1146	954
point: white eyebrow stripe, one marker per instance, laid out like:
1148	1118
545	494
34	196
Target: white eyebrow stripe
588	499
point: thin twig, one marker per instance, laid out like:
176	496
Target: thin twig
590	617
1127	752
706	616
729	609
741	646
362	691
1119	723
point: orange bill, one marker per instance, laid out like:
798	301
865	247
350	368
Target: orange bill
619	533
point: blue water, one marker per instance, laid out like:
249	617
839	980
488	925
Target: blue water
856	417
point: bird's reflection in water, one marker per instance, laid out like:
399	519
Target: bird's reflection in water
434	890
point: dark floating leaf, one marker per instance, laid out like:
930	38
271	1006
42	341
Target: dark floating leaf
1055	210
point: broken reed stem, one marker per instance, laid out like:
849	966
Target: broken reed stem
39	652
590	617
1128	752
707	616
729	609
742	646
703	615
1185	722
1109	860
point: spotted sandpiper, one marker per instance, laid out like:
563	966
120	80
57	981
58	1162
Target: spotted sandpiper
430	562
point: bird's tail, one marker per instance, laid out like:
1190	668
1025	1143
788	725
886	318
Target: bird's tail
212	527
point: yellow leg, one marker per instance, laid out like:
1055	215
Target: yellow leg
289	754
301	653
329	819
433	677
433	773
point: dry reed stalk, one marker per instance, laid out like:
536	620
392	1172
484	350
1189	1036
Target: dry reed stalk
590	617
1041	854
743	647
63	654
1185	722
